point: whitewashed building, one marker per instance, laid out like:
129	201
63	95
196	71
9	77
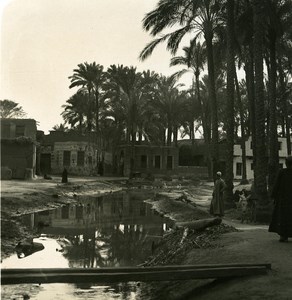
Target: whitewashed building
237	161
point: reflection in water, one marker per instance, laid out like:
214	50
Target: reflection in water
24	249
119	291
109	231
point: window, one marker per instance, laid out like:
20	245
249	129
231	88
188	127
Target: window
238	169
5	131
169	162
90	160
143	161
19	130
251	166
66	158
251	145
80	158
279	145
65	212
157	162
281	166
79	212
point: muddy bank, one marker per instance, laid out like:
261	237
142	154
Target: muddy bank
175	246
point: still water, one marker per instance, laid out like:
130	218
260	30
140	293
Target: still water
116	230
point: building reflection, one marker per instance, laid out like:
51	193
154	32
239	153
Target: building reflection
108	231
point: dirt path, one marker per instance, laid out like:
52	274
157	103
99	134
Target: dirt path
251	244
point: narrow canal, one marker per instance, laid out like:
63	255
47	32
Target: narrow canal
116	230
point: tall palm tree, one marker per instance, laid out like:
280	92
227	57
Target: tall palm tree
124	81
196	17
193	59
285	96
230	98
169	103
279	20
125	84
260	168
89	76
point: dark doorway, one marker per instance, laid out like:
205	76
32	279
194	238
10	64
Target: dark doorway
45	163
169	163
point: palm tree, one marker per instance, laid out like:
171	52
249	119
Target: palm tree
260	168
199	17
125	86
169	103
79	110
279	20
124	81
285	95
89	76
194	59
60	127
230	98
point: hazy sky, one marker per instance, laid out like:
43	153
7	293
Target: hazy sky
42	41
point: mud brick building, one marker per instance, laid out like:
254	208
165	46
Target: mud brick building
18	148
146	159
78	153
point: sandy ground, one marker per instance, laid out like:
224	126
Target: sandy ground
251	244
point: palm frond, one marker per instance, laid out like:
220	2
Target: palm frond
175	38
147	51
178	60
177	75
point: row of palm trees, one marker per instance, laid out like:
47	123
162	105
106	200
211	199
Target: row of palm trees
139	106
131	106
253	36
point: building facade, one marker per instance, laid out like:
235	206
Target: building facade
146	159
78	153
18	148
237	161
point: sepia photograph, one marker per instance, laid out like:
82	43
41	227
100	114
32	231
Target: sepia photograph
146	149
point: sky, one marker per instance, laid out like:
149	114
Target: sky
42	41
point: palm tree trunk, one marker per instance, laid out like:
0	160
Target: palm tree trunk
163	134
261	161
98	136
175	133
230	104
140	136
286	121
249	77
243	135
204	125
169	134
273	135
213	100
